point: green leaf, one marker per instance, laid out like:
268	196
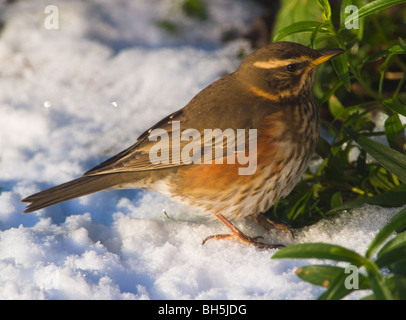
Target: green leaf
337	289
336	108
395	105
389	199
303	26
381	179
393	252
373	57
390	159
395	133
326	25
325	5
327	95
319	251
376	6
378	283
397	285
396	223
398	49
399	87
393	256
319	275
292	12
336	199
396	242
331	277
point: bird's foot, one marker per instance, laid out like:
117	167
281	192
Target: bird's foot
235	233
267	224
244	239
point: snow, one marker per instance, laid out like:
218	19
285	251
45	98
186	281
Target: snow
72	97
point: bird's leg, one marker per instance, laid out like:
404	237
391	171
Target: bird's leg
266	223
237	234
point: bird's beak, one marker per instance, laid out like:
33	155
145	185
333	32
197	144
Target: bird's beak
326	55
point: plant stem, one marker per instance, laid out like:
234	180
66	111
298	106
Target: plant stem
378	282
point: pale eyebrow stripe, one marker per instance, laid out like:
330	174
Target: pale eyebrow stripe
270	96
270	64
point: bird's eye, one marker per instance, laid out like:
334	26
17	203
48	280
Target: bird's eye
291	67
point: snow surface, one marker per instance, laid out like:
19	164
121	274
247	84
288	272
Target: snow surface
72	97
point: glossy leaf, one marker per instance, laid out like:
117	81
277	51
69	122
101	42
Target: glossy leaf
303	26
396	223
393	256
376	6
396	242
292	12
331	277
319	275
322	27
390	159
395	133
395	105
319	251
388	199
337	288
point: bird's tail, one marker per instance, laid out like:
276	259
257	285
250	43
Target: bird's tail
73	189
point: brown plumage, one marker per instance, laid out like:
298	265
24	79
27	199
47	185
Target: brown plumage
271	93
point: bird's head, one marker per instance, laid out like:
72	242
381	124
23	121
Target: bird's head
283	69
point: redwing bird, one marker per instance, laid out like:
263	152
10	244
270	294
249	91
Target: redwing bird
269	94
